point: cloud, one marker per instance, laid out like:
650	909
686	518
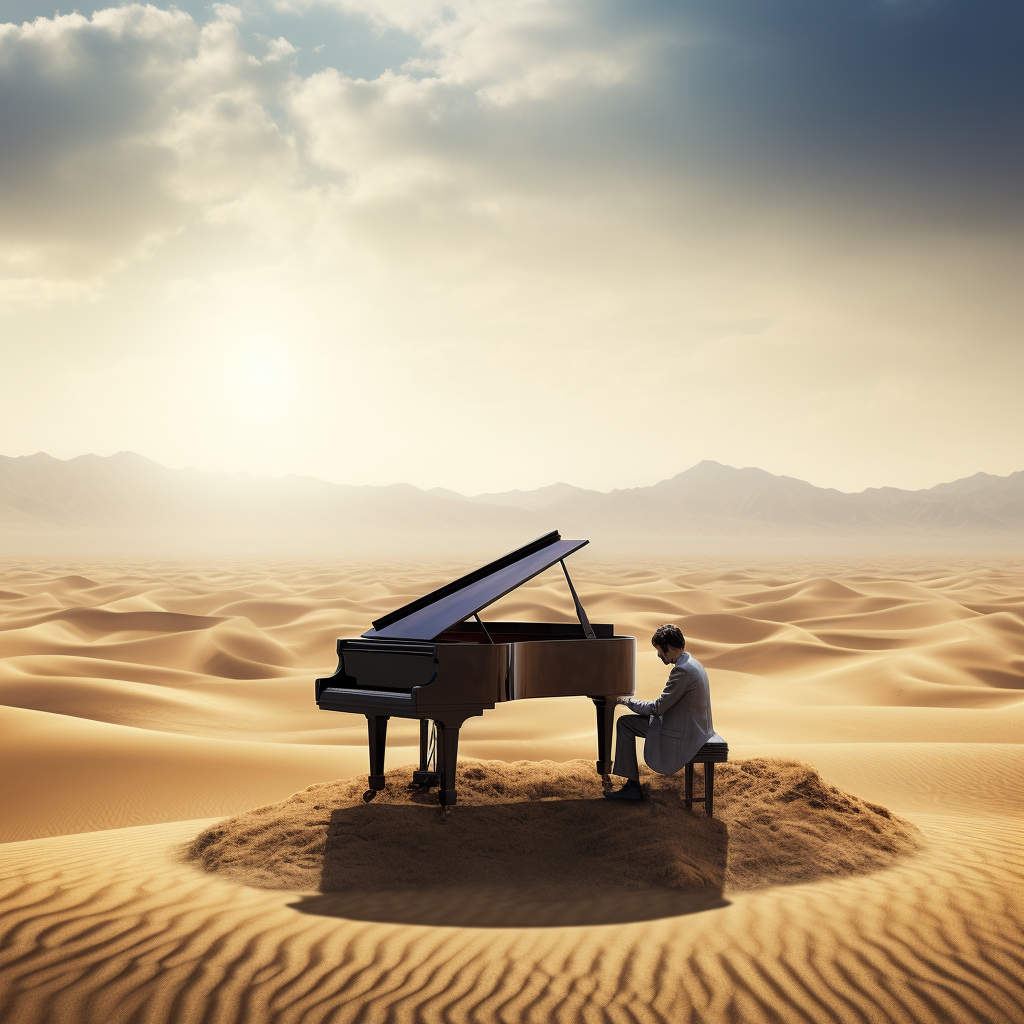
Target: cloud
80	101
118	130
883	91
125	127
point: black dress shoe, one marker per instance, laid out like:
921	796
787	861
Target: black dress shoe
630	791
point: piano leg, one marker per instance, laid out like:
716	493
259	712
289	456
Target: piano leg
605	725
447	758
377	727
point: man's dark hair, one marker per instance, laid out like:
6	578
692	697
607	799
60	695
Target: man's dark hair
668	636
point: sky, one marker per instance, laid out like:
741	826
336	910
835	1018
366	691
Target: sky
494	244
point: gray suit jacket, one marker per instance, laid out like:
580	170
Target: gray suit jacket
680	717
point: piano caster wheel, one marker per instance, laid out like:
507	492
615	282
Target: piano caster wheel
606	783
369	795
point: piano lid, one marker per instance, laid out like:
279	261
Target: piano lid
429	616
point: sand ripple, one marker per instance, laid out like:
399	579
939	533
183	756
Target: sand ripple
109	927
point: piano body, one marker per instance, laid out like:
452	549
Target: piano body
435	660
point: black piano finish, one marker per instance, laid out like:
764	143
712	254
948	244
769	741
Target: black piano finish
470	666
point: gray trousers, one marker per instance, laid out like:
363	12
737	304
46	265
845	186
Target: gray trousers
627	729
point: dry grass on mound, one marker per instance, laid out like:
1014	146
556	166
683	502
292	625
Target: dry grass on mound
543	828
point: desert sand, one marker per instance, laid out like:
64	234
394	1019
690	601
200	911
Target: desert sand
143	702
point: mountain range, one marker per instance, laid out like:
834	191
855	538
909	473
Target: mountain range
129	491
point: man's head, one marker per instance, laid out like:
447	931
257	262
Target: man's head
668	641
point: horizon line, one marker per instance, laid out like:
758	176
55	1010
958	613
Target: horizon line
438	487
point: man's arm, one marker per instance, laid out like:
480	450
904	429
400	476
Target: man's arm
674	690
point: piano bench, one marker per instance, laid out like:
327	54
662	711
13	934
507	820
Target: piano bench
713	752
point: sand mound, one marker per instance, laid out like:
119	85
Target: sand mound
542	830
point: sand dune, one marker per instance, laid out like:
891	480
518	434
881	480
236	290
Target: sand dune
227	654
142	693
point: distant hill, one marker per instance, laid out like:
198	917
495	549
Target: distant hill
714	499
532	501
129	491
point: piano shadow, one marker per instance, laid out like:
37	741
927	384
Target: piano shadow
551	863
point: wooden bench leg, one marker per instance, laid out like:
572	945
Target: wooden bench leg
709	788
688	791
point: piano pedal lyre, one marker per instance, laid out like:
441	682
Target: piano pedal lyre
424	780
426	777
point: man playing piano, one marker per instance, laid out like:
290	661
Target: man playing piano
676	725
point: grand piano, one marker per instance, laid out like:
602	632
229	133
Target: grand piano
436	660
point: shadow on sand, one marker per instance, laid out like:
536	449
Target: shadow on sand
548	863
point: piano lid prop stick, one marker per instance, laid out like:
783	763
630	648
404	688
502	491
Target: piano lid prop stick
588	630
476	615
